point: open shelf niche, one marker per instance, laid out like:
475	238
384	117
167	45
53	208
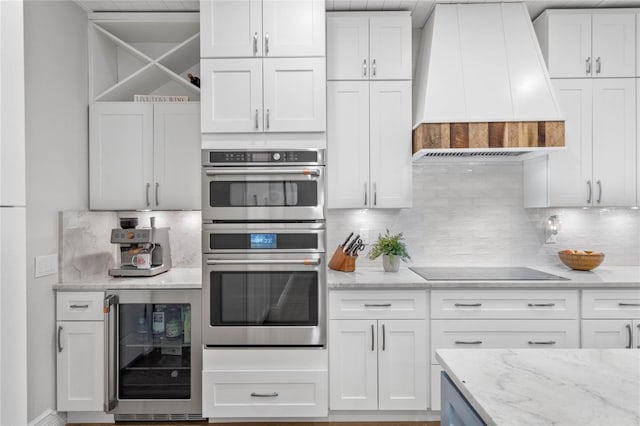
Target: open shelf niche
143	54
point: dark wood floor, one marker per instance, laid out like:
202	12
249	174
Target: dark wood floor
431	423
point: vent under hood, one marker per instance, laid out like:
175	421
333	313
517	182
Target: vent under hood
481	85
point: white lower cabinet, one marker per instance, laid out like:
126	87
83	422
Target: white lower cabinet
378	354
269	383
611	318
80	351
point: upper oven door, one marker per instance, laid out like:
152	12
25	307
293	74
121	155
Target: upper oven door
263	194
307	237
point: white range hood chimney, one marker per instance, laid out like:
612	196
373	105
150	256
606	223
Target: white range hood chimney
481	85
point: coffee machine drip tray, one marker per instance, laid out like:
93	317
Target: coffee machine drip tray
132	271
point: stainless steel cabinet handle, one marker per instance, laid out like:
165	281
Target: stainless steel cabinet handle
598	67
547	342
157	195
147	194
268	119
541	304
59	336
231	172
373	67
256	119
264	395
599	191
266	44
255	44
590	192
466	342
638	335
372	338
79	306
375	194
364	67
377	305
628	304
630	335
589	65
467	304
109	308
384	338
365	193
305	262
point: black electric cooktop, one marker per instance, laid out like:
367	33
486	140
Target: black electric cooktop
484	274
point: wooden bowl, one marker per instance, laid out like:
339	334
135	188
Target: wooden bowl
581	262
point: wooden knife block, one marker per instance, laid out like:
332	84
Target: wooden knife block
342	262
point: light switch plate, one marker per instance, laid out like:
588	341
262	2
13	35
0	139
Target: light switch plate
46	265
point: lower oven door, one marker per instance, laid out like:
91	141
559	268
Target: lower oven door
264	300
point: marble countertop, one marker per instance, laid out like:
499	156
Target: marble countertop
181	278
376	278
587	387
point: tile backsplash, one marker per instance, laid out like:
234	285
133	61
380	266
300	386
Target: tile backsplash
471	214
463	214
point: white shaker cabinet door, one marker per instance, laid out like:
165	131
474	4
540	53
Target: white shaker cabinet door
176	156
348	144
570	169
80	365
121	155
348	48
231	95
569	46
402	364
353	365
607	334
294	95
293	28
390	47
231	28
613	45
390	144
614	142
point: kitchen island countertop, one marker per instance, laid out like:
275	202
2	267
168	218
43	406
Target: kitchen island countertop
376	278
587	387
180	278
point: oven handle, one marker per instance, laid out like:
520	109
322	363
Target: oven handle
276	171
263	262
109	309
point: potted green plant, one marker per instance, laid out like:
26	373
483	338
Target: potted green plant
392	249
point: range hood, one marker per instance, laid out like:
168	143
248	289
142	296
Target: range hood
481	86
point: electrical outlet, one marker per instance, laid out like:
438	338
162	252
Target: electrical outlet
46	265
364	235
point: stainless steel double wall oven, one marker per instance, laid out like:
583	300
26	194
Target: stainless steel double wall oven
263	243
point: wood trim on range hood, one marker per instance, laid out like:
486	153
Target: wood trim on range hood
515	134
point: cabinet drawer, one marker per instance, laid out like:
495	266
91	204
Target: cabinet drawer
493	334
611	303
80	306
265	393
504	304
379	304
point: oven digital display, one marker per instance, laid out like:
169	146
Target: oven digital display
260	157
264	241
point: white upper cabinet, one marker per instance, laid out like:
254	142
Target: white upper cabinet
598	166
262	28
144	156
584	44
143	54
364	46
263	95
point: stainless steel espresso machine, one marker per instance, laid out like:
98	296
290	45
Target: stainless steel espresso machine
144	252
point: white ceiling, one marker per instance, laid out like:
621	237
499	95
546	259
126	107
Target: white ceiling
420	9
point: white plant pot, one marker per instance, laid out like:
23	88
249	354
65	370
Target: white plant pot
390	263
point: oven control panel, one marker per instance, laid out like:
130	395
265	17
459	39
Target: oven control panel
264	157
